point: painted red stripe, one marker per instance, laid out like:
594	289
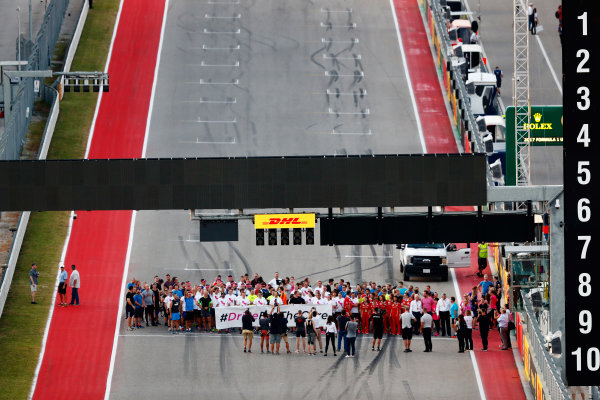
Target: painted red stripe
80	339
437	130
498	371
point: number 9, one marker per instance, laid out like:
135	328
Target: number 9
585	320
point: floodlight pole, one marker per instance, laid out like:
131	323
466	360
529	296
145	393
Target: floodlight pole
30	25
19	35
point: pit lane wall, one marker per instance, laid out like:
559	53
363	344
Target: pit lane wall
540	369
465	127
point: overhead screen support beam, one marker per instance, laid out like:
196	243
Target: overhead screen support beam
243	183
461	228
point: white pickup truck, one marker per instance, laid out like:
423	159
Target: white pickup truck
432	259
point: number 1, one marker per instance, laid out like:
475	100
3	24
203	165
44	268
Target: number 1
583	18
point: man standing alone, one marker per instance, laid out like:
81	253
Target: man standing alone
407	319
33	277
426	325
75	283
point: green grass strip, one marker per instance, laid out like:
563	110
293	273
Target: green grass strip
22	323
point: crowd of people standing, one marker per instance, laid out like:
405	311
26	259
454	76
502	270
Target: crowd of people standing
391	309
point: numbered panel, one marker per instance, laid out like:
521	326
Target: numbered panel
580	65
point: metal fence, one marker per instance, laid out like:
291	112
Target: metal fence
547	367
39	58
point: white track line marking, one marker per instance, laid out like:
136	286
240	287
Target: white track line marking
323	10
549	64
224	2
233	121
328	57
235	16
205	47
353	40
203	82
235	32
367	112
342	93
205	101
368	133
408	80
238	336
203	64
352	25
228	101
351	75
198	141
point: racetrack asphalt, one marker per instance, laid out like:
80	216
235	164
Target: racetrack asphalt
262	77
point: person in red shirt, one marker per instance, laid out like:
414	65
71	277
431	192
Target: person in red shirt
348	303
366	309
405	300
384	305
395	307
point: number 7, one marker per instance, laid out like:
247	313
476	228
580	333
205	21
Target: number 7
587	239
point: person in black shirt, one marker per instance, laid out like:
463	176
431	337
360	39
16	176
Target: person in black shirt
283	330
257	280
300	331
157	302
377	319
484	322
297	299
342	320
204	303
247	330
274	335
130	307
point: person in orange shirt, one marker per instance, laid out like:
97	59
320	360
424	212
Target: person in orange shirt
282	295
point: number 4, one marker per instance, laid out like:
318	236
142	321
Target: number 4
584	136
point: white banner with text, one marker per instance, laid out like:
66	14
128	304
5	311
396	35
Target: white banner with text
231	317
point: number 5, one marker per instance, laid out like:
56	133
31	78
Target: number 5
583	174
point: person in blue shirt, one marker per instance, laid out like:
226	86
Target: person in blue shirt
62	286
485	285
453	311
188	315
139	309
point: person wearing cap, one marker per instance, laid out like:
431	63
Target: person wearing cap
62	286
33	277
75	284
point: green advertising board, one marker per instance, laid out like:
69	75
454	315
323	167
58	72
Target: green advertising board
546	129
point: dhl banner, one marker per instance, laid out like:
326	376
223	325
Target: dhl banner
274	221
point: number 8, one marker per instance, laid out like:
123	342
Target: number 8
585	289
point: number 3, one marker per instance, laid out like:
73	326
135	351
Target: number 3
584	92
